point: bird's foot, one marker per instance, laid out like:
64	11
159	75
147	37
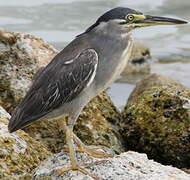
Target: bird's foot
91	151
94	152
81	169
76	168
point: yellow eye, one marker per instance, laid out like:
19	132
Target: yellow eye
130	17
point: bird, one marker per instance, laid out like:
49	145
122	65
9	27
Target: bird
82	70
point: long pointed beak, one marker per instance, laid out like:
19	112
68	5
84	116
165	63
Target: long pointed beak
156	20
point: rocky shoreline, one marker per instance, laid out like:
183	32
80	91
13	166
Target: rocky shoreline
154	121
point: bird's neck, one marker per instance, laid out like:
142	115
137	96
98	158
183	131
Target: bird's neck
110	41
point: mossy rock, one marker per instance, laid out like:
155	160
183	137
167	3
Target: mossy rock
21	56
156	121
98	124
19	153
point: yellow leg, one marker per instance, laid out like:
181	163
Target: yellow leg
81	169
74	165
69	140
90	151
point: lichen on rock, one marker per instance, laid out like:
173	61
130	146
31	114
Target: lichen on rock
19	153
21	55
126	166
156	121
98	124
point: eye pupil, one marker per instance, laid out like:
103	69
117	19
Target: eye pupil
130	17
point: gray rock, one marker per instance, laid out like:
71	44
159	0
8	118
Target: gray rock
21	56
4	114
19	153
127	166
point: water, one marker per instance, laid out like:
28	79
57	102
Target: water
59	21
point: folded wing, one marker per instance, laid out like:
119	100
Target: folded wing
58	83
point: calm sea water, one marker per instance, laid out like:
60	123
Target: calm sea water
59	21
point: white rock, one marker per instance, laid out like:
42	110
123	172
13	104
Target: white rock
4	114
127	166
19	153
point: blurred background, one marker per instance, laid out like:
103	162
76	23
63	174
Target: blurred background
59	21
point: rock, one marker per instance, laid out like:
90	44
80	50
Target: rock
156	121
97	125
138	65
19	153
7	37
4	114
21	55
126	166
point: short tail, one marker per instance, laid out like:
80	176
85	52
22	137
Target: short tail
15	122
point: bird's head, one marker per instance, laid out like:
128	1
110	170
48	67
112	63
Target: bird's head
123	20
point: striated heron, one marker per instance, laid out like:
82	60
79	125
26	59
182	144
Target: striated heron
83	69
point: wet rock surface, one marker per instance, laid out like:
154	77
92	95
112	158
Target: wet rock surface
21	55
156	120
97	125
126	166
19	153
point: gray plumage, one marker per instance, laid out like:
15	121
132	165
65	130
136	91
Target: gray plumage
63	79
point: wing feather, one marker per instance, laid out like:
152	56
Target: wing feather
57	84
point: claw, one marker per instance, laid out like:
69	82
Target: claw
94	153
77	168
91	152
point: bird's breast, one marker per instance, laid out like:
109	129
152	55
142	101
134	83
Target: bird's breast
112	64
124	58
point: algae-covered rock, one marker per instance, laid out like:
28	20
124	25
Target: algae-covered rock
19	153
97	125
21	55
156	120
138	65
126	166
